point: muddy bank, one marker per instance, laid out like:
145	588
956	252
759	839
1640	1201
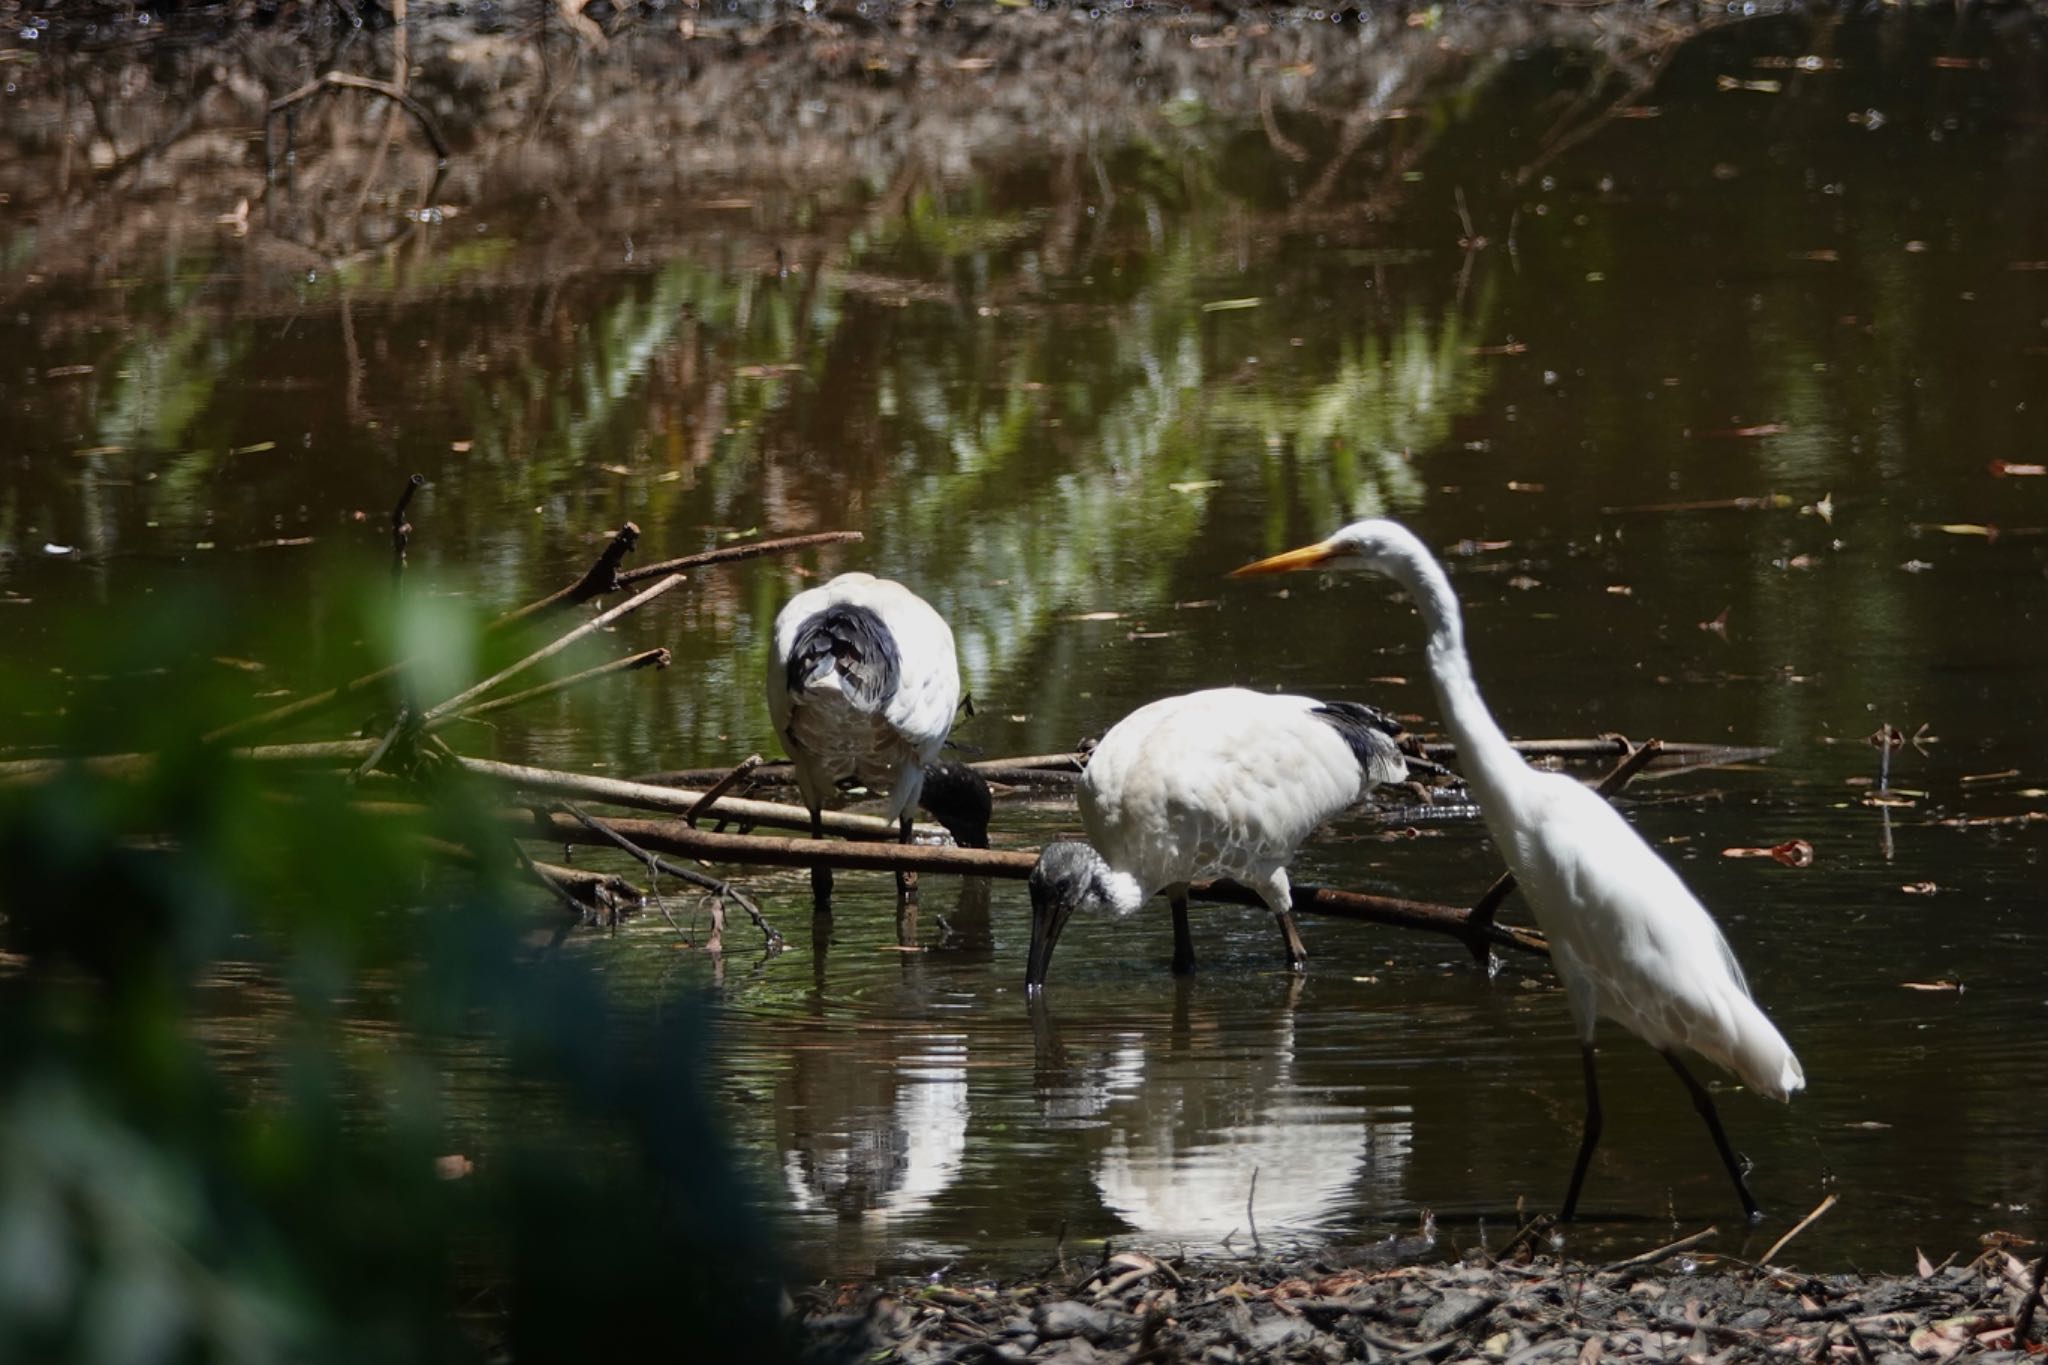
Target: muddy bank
136	132
1678	1302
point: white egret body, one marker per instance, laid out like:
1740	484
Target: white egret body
862	686
1225	782
1630	942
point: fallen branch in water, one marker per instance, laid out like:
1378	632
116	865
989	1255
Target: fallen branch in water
682	801
656	658
600	578
595	623
723	890
560	891
605	893
729	554
674	836
605	571
545	781
720	788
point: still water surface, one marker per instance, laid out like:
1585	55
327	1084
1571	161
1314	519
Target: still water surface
1063	388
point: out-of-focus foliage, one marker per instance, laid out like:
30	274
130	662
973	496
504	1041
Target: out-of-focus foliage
193	1173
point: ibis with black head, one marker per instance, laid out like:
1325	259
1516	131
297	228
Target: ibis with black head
1225	782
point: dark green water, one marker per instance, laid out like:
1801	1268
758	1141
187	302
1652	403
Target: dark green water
1056	380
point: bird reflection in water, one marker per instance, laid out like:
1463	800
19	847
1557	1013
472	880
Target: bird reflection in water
877	1137
1177	1132
874	1143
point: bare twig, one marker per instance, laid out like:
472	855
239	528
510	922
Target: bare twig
1664	1252
600	578
721	787
2023	1322
723	889
729	553
406	720
560	891
1798	1228
401	529
1526	1234
1249	1217
595	623
1614	747
353	82
657	658
603	891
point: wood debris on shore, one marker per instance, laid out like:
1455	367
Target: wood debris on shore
1672	1304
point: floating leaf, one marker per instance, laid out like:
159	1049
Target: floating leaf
1794	853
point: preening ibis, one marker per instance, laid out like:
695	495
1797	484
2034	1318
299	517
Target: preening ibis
1630	942
862	687
1225	782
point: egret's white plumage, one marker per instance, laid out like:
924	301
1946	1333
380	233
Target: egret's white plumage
1226	782
1630	942
862	686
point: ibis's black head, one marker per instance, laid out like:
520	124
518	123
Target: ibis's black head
1068	877
957	797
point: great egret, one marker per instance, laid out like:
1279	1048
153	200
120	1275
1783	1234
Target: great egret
1223	782
1631	943
862	687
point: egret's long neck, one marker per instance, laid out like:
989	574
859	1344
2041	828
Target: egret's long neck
1489	763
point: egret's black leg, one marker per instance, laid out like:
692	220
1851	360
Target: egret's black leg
1183	940
821	877
1589	1141
906	881
1704	1103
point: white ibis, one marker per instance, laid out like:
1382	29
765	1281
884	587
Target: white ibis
1226	782
862	687
1631	943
